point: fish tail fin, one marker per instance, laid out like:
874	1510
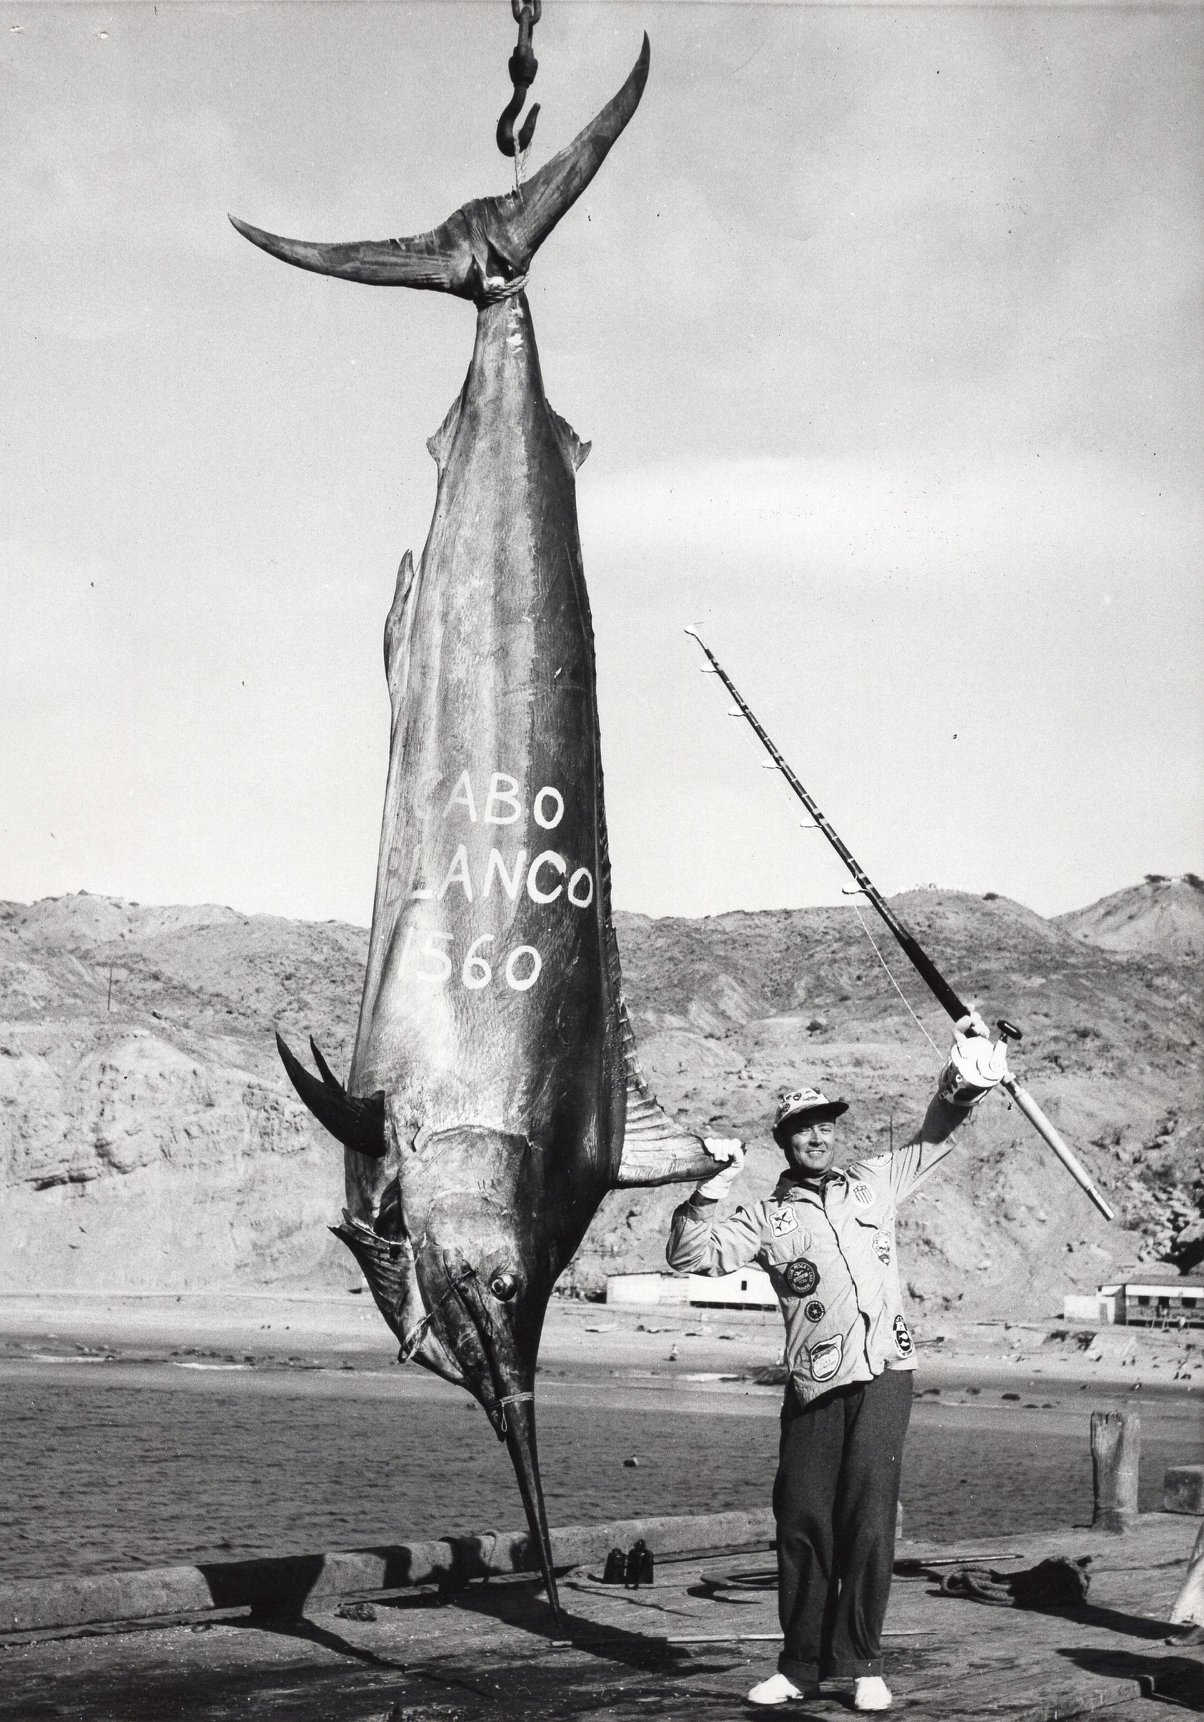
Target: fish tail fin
358	1122
488	243
526	217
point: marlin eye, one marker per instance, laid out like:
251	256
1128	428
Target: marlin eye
503	1286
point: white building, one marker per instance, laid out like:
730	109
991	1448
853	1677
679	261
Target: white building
640	1290
1148	1303
748	1288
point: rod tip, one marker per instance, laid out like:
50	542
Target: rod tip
693	633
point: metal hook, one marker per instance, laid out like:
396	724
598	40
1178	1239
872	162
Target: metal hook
522	67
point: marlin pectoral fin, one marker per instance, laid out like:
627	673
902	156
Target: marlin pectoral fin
357	1122
655	1149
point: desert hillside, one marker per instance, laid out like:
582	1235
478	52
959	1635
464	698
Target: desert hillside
149	1139
1162	917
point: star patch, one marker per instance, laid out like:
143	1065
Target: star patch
814	1310
801	1276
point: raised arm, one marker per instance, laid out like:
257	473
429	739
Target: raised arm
975	1065
700	1244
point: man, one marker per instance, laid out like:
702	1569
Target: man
826	1237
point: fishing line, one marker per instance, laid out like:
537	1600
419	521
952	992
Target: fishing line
779	764
865	929
894	983
954	1006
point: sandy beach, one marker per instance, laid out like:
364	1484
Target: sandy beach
266	1328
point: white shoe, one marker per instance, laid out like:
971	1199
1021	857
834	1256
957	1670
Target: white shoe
776	1690
871	1693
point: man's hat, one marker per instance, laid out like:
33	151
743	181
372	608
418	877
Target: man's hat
809	1106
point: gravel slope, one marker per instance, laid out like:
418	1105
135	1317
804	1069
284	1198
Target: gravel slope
149	1140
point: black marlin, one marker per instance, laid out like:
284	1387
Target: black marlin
493	1098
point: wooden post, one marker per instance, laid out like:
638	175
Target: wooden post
1115	1458
1188	1609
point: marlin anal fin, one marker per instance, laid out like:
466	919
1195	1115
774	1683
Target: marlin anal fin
575	450
655	1149
488	243
357	1122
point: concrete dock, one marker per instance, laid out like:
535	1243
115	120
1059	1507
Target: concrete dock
689	1646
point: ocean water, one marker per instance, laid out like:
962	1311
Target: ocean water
107	1465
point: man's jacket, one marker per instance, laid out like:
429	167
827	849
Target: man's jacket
830	1254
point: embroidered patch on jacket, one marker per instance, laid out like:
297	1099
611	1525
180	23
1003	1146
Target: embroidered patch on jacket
882	1247
863	1194
783	1220
801	1276
814	1310
824	1358
902	1337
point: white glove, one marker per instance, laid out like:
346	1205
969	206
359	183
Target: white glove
976	1063
730	1150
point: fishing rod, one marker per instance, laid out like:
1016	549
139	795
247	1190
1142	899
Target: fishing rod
918	957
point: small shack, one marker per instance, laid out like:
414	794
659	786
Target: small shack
1146	1303
1161	1303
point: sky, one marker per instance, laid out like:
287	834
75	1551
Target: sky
884	322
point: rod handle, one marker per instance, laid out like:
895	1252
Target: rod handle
1045	1129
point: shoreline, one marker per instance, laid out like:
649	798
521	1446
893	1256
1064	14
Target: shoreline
581	1341
265	1423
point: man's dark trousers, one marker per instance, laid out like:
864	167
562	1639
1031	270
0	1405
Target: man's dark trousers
834	1499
